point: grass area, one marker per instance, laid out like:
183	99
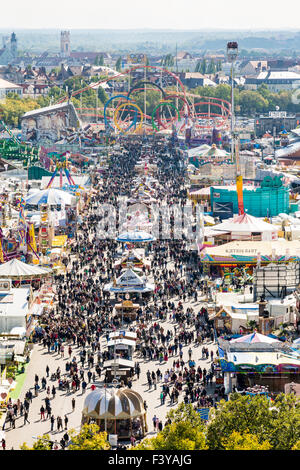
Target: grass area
20	378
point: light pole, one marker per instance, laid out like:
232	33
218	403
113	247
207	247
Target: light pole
232	53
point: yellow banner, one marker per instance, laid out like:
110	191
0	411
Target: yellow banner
59	240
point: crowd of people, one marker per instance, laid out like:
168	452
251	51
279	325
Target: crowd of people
166	324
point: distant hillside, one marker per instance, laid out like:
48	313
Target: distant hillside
155	41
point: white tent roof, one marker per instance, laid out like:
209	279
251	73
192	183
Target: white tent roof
16	268
255	338
198	150
214	152
245	223
50	196
129	278
18	330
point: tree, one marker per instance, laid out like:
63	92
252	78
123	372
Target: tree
167	60
212	67
296	446
252	102
42	443
89	438
101	60
118	64
223	91
252	324
245	441
197	67
185	431
203	67
13	108
153	97
278	423
102	95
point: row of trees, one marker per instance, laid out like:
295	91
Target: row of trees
99	60
251	102
243	423
167	60
247	102
212	67
13	107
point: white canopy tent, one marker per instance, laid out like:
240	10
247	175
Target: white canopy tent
198	150
17	269
129	281
50	196
246	225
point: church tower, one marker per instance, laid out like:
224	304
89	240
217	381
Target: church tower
13	45
65	43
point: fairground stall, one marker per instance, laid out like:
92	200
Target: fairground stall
257	359
119	411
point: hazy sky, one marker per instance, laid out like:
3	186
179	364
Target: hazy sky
158	14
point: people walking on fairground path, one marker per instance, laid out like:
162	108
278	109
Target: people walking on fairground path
53	391
59	423
3	444
49	410
66	420
190	353
26	418
42	411
47	370
73	404
52	421
154	419
154	382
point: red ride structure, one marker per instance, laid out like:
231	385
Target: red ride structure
200	113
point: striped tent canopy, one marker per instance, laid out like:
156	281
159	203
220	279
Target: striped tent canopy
115	403
255	338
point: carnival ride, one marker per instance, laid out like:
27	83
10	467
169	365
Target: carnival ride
13	149
175	110
61	165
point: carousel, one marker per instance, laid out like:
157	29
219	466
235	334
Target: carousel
117	411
